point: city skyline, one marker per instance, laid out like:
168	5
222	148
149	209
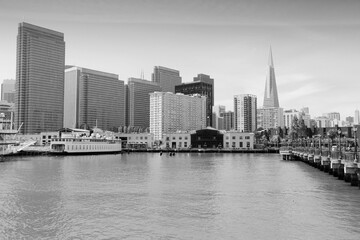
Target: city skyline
315	49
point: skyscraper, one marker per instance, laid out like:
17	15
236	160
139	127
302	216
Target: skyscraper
138	101
93	98
8	90
245	118
203	85
270	115
170	113
271	94
167	78
39	88
357	117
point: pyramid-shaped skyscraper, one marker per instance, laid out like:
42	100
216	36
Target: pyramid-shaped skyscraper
271	94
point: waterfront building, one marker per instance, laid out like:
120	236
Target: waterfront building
245	115
170	113
268	118
6	115
167	78
137	140
238	140
138	102
8	90
289	117
93	98
203	85
207	138
177	140
39	87
357	117
228	120
271	94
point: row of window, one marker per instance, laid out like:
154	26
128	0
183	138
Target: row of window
241	145
174	138
241	137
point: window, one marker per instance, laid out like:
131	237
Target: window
167	139
241	144
248	144
247	137
233	144
185	144
240	137
227	144
180	138
227	137
174	138
186	138
233	137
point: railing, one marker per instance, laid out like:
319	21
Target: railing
345	155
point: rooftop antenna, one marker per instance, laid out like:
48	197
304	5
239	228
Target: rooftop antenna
142	74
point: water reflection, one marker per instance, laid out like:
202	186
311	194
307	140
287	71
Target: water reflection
186	196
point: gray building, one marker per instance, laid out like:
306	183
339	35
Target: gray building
138	102
167	78
39	88
8	90
93	98
203	85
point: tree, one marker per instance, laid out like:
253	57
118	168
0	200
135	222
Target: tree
302	129
294	130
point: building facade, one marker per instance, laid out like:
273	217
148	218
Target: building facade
39	87
218	117
8	90
170	113
289	117
93	98
167	78
202	88
268	118
245	114
138	102
238	140
357	117
176	140
228	120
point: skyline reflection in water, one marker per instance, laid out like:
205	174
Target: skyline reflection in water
186	196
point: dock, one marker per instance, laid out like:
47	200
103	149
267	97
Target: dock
342	165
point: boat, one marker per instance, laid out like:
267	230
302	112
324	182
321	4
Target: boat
78	142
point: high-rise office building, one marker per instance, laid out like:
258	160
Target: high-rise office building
270	115
170	113
228	120
218	117
138	102
39	88
93	98
203	85
357	117
8	90
332	116
167	78
289	116
269	118
245	119
271	94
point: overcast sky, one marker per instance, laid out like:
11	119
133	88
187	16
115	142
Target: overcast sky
315	43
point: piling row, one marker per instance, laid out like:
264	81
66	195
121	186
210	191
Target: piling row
347	170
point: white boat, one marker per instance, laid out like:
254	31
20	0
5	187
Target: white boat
85	145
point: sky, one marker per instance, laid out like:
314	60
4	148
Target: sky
315	44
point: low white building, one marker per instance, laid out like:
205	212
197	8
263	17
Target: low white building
176	140
137	140
238	140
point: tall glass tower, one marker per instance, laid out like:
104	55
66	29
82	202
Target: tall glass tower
271	94
39	87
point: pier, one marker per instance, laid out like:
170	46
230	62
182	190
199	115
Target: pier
342	165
